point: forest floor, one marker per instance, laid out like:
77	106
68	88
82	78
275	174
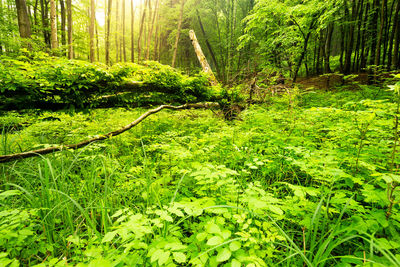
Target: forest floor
300	181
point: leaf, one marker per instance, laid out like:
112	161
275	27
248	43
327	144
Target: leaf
108	237
9	193
201	236
163	257
235	263
179	257
224	255
215	240
235	245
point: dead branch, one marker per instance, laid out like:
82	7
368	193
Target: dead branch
44	151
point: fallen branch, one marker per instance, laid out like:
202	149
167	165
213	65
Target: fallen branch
44	151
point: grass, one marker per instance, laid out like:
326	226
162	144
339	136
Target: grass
279	186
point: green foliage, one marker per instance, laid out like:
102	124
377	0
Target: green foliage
34	78
312	184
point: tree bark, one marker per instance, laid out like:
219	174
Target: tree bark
108	28
209	47
141	30
202	59
380	35
123	30
392	34
63	25
132	32
178	34
69	15
116	32
45	22
92	54
53	25
24	23
151	30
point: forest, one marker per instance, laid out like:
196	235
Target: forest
199	133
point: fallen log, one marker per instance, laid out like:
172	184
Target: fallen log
44	151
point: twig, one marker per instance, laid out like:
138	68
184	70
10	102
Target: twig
44	151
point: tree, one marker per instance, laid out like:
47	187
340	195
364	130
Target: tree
178	34
23	19
108	28
132	32
91	31
69	15
53	25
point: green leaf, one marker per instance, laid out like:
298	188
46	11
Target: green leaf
235	245
224	255
215	240
109	236
163	257
235	263
179	257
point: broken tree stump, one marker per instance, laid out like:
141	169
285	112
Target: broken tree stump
202	59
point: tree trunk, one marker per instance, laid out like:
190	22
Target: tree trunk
45	21
327	48
132	32
178	34
63	25
108	28
123	30
69	15
53	25
364	54
373	25
380	35
92	55
24	23
151	30
392	34
116	32
208	45
202	59
141	30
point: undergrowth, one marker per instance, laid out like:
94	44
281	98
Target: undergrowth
304	181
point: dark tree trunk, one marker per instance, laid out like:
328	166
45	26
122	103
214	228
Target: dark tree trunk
108	29
209	47
373	31
69	16
392	33
24	23
63	24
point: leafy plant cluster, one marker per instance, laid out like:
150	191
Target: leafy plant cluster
309	180
37	78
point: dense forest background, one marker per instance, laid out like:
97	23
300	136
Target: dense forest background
239	37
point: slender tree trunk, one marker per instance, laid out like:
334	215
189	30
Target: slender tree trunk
373	31
45	21
69	15
92	55
24	23
108	29
380	35
178	34
132	32
392	34
123	30
63	25
156	36
328	45
116	32
214	60
151	30
53	25
141	29
350	41
364	39
97	43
